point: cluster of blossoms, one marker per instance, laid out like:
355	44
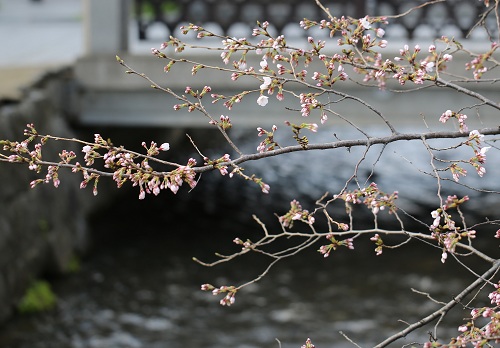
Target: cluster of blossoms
308	102
191	106
379	73
379	242
230	291
477	64
479	158
296	213
21	151
452	114
125	165
371	197
353	31
474	141
452	202
419	71
313	127
230	100
356	31
325	250
329	78
242	70
220	163
478	336
87	177
366	31
52	175
198	94
268	144
263	186
173	180
141	173
444	228
244	245
223	163
23	154
269	84
477	161
495	295
308	344
303	141
225	122
232	45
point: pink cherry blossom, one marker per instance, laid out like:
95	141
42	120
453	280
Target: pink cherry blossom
444	256
263	65
267	82
86	149
262	100
365	23
164	147
474	134
447	57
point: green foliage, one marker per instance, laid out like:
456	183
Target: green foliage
44	228
166	7
74	265
38	298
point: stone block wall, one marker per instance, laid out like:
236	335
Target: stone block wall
41	228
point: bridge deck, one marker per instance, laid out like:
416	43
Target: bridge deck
112	97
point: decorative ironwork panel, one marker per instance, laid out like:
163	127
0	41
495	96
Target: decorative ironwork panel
226	13
452	18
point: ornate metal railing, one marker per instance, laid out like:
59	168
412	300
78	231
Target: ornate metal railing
454	17
228	12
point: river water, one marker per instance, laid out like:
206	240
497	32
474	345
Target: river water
140	288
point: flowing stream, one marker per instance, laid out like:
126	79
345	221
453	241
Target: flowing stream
140	288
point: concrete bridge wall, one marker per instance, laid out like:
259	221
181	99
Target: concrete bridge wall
109	96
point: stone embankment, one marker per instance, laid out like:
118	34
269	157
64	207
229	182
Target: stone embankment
41	229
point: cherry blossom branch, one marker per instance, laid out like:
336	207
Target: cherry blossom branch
416	8
110	147
324	9
443	310
254	246
198	106
296	148
443	83
356	143
282	70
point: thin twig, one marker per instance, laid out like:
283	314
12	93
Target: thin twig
349	339
426	294
415	8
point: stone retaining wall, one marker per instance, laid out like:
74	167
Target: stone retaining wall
41	228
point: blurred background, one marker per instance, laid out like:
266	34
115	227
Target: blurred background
37	36
122	270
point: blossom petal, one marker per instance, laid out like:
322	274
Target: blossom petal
262	100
